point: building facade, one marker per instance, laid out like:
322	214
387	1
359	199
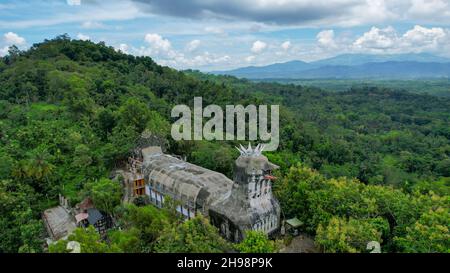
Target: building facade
233	206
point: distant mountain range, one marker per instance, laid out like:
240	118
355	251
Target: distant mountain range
352	66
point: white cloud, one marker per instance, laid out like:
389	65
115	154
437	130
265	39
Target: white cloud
421	37
12	38
377	39
373	11
250	58
157	42
206	59
258	47
325	39
9	39
83	37
162	51
429	8
214	30
158	47
123	48
193	45
92	25
202	60
4	51
73	2
417	39
286	45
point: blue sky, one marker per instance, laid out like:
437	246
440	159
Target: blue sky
217	35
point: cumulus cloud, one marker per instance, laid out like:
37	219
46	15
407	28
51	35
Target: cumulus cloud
157	42
123	48
4	51
387	40
9	39
377	38
162	51
250	59
325	39
205	59
179	60
12	38
421	37
193	45
81	36
286	45
258	47
417	39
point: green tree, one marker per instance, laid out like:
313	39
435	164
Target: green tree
20	226
77	96
106	194
214	156
126	240
134	113
193	236
32	235
120	144
341	235
89	240
430	234
157	125
256	242
106	121
146	222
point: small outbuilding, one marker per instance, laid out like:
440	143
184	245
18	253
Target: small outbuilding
293	225
58	222
95	218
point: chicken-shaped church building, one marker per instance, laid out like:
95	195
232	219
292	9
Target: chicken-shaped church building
233	206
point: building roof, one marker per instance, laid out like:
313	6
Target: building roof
94	215
58	221
81	216
86	204
294	222
171	175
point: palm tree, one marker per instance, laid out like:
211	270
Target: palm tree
36	168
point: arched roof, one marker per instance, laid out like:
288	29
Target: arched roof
185	180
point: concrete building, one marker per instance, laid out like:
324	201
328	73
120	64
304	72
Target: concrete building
59	221
247	203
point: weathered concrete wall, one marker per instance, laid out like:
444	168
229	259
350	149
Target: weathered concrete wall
247	203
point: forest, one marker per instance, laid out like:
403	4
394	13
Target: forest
365	164
437	87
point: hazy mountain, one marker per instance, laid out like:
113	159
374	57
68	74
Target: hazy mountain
358	59
352	66
279	69
382	70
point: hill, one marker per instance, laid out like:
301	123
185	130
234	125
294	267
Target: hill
270	71
72	111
